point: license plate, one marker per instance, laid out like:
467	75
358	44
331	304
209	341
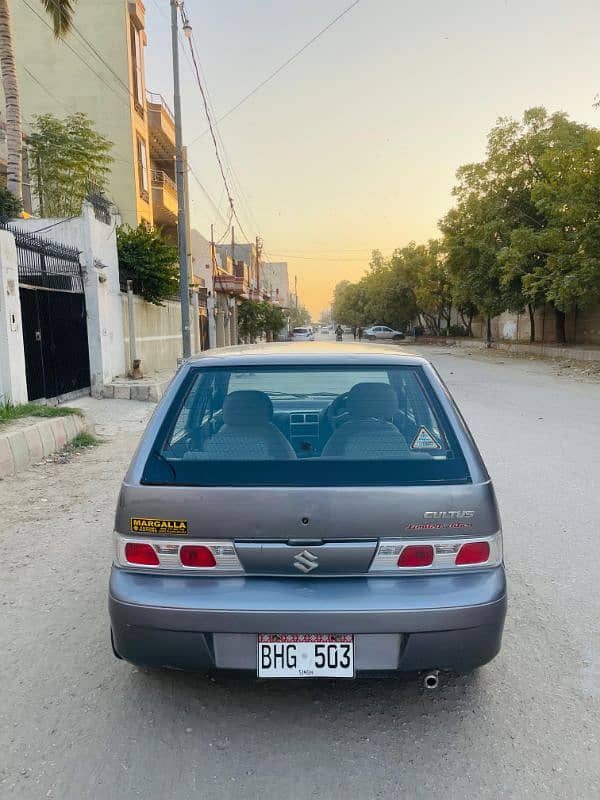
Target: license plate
314	655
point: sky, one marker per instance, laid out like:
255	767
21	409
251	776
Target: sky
354	145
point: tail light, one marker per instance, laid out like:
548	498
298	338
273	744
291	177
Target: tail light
473	553
441	555
194	555
416	555
141	553
173	555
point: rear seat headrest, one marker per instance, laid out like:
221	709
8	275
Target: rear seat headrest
247	408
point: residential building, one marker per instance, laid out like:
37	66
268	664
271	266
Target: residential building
274	282
97	69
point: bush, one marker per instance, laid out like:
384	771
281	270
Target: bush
10	206
457	330
148	261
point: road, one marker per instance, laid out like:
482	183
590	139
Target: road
75	723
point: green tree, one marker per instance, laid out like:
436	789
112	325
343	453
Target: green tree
67	156
273	320
10	206
61	14
147	260
299	316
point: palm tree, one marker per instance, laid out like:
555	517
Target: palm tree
61	14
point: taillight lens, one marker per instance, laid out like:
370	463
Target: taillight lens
192	555
416	555
473	553
141	553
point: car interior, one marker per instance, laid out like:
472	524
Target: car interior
373	420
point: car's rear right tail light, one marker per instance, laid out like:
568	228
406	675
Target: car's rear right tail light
141	553
416	555
437	554
473	553
196	555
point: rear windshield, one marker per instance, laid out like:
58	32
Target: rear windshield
305	426
300	330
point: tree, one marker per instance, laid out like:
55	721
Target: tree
67	157
299	316
61	14
10	206
148	261
273	320
258	318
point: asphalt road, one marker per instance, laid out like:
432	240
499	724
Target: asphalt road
77	724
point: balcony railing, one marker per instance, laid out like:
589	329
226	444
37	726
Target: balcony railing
159	100
231	284
160	178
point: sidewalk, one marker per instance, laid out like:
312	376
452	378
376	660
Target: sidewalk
555	351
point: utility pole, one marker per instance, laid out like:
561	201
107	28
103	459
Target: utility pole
296	289
233	249
258	257
181	197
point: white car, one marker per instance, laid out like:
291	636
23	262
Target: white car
383	332
302	335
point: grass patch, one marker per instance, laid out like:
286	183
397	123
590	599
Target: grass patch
9	413
84	440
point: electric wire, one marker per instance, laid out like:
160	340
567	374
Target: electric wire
279	69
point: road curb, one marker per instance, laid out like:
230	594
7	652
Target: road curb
27	445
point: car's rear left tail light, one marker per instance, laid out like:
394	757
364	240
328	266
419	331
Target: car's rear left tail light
173	555
195	555
141	553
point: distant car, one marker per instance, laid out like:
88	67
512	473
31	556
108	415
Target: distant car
302	335
307	513
383	332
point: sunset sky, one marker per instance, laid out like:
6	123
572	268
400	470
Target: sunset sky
354	145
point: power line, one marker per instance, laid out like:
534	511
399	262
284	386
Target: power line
96	53
78	55
53	97
279	69
205	102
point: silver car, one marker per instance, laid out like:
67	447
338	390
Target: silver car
383	332
303	511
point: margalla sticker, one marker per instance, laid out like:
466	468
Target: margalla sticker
425	440
160	527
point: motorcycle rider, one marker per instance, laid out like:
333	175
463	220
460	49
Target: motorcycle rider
339	332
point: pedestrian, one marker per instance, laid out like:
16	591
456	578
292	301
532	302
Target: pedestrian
360	334
354	332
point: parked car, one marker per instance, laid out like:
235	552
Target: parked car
307	513
302	335
383	332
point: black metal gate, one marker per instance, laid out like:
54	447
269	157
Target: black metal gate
54	317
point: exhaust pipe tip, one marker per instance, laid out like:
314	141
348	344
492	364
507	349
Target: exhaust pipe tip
432	679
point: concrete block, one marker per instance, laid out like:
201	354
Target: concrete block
108	392
87	425
47	436
58	429
155	392
34	443
7	462
20	450
122	392
71	429
140	392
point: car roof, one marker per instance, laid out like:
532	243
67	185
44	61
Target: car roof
307	353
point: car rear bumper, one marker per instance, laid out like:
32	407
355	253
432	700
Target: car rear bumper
400	624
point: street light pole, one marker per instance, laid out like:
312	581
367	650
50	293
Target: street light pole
181	198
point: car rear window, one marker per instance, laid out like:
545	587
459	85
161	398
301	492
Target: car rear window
300	330
305	426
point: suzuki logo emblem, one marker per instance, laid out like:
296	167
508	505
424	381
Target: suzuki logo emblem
306	561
